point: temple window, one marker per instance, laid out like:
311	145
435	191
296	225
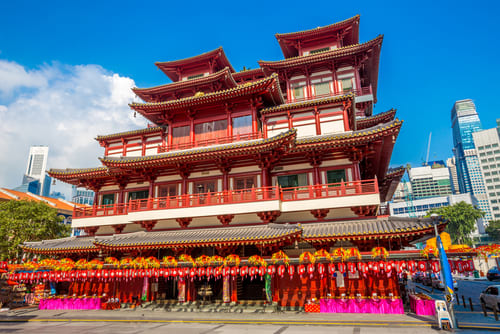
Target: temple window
321	86
293	180
180	135
242	125
205	186
167	190
245	182
312	52
346	84
335	176
298	90
210	131
141	194
196	76
108	199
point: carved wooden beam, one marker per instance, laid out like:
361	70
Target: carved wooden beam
184	222
320	214
148	224
225	219
365	210
91	230
118	228
268	216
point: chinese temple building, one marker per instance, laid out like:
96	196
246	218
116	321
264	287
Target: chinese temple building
283	159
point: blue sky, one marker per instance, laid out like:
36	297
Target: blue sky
434	52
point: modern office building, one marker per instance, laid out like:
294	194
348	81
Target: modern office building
464	122
430	181
420	207
35	179
452	167
82	195
487	144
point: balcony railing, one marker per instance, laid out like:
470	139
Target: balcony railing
210	142
341	189
358	92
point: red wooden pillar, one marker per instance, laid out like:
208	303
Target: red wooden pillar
316	120
290	121
143	149
234	291
254	118
225	180
169	136
124	147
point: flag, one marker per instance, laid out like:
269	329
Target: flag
445	267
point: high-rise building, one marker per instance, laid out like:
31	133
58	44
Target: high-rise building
452	167
464	122
488	148
35	171
82	195
430	181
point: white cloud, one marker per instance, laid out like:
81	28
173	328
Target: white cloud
65	107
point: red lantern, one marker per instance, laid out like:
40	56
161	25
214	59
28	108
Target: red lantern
177	272
435	266
72	274
38	275
331	268
52	276
460	267
412	266
244	271
422	266
310	269
321	269
112	274
262	271
234	271
226	271
271	270
375	267
291	270
218	271
452	265
149	273
45	275
364	268
281	270
471	265
105	274
253	272
119	273
192	272
351	267
201	272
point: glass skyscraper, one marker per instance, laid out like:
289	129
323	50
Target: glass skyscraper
464	122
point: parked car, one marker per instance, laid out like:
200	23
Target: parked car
417	277
427	279
438	283
493	274
490	297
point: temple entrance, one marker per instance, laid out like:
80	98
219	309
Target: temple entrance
249	289
208	290
167	289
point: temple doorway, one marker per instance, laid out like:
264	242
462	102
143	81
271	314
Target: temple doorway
249	289
208	290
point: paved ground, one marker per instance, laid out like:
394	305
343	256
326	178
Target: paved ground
31	320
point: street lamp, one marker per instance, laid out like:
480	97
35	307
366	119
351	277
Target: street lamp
445	270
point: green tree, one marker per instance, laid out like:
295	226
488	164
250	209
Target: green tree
22	221
461	221
493	230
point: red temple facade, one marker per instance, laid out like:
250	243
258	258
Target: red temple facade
286	157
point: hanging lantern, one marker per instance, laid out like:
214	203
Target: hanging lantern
383	266
177	272
38	275
244	271
105	274
331	269
342	267
412	266
119	273
351	267
435	266
226	271
281	270
471	265
192	273
375	267
452	265
310	269
253	272
291	270
218	271
262	271
460	267
422	266
321	269
83	274
112	274
271	270
364	268
234	271
210	272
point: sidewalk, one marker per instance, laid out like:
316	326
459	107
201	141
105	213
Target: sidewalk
466	320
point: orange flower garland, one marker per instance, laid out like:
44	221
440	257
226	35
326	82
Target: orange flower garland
203	260
126	262
307	257
257	260
217	260
96	264
152	262
112	260
232	260
280	256
322	254
339	253
170	261
353	252
380	252
186	258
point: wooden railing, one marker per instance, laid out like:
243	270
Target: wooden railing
358	92
341	189
210	142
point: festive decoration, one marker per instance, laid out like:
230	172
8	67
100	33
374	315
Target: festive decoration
352	253
429	250
380	252
96	264
169	261
322	254
203	260
339	253
232	260
112	260
280	256
186	258
126	262
257	260
152	262
307	257
216	260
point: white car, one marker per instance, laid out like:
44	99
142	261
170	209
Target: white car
490	297
437	283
